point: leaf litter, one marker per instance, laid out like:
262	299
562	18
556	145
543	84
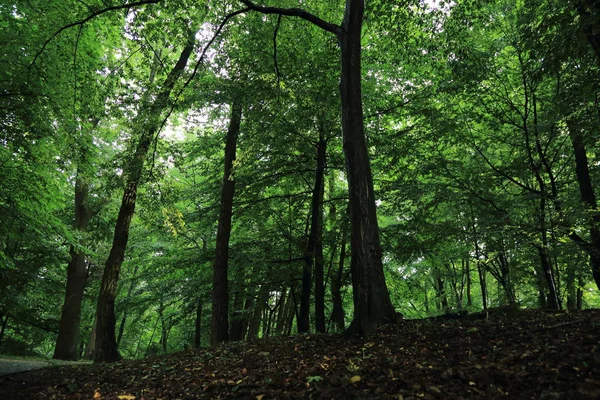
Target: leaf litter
529	355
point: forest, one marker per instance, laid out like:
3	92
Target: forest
181	174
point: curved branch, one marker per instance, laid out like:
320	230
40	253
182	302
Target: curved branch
89	18
295	12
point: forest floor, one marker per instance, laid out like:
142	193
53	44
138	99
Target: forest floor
518	355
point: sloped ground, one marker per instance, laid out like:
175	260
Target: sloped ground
529	355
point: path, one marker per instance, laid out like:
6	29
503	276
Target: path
14	365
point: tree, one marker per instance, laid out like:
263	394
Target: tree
220	291
146	125
372	305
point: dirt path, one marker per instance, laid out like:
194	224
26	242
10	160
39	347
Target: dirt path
11	366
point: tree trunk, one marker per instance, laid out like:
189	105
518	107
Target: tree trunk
126	305
149	122
220	295
4	322
288	316
311	255
67	343
589	11
580	294
588	197
91	344
545	261
441	294
254	325
372	304
247	314
482	284
235	330
467	267
198	327
282	311
337	314
480	270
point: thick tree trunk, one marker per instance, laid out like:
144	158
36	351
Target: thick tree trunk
220	295
588	197
372	304
149	121
67	343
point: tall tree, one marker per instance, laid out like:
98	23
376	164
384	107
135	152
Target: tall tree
67	343
220	291
146	126
372	304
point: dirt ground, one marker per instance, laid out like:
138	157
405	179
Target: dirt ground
520	355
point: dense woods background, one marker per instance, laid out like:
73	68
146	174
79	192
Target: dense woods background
176	173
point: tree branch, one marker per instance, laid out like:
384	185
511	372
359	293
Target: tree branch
89	18
295	12
275	50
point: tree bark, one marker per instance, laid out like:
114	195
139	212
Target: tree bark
589	11
220	294
372	304
198	327
467	268
310	255
257	315
235	330
319	274
338	317
88	354
67	343
149	121
588	197
3	323
126	305
282	311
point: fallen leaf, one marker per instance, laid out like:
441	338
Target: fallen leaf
97	394
260	397
126	397
355	379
